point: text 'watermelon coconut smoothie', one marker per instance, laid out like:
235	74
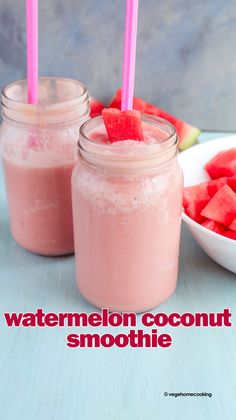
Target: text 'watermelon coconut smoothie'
127	198
39	149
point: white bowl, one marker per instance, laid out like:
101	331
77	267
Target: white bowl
219	248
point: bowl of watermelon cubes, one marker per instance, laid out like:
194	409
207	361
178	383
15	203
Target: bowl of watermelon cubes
209	204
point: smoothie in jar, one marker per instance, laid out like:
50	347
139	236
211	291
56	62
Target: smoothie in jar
127	199
39	149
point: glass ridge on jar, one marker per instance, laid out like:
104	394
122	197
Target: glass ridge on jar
127	200
38	147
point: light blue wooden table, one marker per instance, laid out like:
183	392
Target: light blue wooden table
42	379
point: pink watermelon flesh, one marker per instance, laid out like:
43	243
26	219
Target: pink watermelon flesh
215	227
230	234
96	107
233	225
222	207
223	164
215	185
195	199
232	182
186	132
122	125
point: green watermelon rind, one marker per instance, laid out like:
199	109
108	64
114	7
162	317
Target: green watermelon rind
190	138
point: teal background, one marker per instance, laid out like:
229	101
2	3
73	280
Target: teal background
186	59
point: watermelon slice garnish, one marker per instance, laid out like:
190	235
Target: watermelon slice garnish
223	164
222	207
96	107
122	125
186	132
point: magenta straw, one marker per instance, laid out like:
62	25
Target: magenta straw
32	50
131	23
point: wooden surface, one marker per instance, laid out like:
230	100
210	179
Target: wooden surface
42	379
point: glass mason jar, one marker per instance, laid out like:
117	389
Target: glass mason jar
39	149
127	200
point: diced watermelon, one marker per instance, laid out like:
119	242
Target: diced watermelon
96	107
223	164
215	227
232	182
230	234
195	199
222	206
186	132
233	225
122	125
216	185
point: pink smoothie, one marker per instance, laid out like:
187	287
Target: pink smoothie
39	198
126	229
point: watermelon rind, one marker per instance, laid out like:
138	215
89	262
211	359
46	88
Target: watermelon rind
189	139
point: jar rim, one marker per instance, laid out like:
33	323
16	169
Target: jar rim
148	118
57	105
162	151
61	100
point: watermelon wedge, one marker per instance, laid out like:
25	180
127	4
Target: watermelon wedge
195	199
186	132
232	182
230	234
215	185
223	164
233	225
96	107
215	227
122	125
222	207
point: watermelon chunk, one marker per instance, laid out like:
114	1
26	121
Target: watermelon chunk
215	185
230	234
122	125
215	227
223	164
195	199
233	225
96	107
222	206
186	132
232	182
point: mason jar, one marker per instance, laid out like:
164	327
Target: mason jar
38	147
127	200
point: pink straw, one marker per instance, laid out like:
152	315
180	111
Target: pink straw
32	50
131	23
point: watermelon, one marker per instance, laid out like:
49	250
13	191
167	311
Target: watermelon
230	234
215	185
232	182
215	227
122	125
195	199
233	225
222	207
96	107
187	133
223	164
